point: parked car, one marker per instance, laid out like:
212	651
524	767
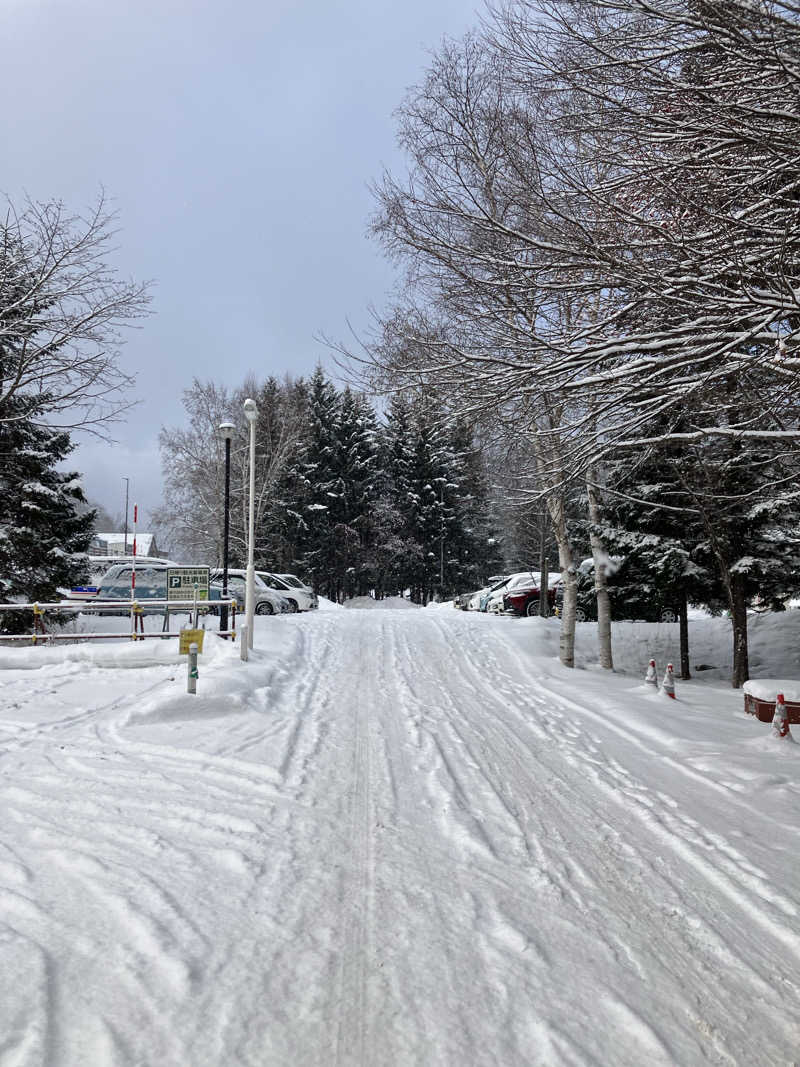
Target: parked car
151	583
474	602
99	566
493	602
525	599
268	601
301	597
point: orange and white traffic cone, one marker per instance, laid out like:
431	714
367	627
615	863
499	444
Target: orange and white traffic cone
651	678
668	685
780	720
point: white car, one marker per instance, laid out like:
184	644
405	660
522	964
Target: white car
99	566
474	602
268	601
301	597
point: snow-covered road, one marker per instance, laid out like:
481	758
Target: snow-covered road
394	837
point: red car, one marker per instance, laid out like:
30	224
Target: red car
526	601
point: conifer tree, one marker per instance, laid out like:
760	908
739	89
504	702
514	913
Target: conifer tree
714	521
321	501
358	487
45	530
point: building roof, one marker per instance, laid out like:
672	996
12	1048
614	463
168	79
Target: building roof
116	541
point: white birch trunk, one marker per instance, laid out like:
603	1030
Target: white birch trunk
566	641
599	556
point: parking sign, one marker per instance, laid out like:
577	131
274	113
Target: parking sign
181	582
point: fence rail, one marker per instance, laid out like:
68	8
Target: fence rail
136	609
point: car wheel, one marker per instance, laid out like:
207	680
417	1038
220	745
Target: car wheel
532	608
264	608
669	616
292	605
580	615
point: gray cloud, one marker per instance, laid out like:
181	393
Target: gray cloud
236	142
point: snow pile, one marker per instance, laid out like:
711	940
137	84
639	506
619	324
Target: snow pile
768	690
224	686
773	638
323	604
368	603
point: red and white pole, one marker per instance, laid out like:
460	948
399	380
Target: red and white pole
780	720
133	573
651	678
668	685
133	567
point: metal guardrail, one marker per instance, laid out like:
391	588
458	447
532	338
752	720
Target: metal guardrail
136	609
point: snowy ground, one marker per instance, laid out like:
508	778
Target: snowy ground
395	837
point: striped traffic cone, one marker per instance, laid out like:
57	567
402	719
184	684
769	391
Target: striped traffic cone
668	685
780	720
651	678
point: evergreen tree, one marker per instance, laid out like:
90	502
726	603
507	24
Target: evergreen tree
358	484
400	554
44	532
711	522
436	487
321	501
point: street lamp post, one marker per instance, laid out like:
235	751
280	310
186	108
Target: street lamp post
127	485
226	429
251	414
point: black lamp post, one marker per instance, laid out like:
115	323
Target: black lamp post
227	430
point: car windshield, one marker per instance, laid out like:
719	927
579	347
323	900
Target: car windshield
523	579
274	580
291	580
151	584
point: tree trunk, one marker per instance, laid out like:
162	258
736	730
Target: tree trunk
683	618
741	667
544	586
544	606
600	578
566	641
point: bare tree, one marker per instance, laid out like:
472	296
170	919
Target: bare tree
193	461
63	309
193	465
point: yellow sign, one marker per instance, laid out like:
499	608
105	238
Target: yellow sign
190	637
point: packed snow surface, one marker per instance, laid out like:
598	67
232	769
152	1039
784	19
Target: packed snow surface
392	838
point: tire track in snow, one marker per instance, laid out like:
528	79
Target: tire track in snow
357	903
444	995
731	873
698	932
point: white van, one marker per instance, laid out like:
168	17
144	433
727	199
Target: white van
301	597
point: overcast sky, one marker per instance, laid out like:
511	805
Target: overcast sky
236	141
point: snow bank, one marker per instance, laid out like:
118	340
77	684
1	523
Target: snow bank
768	689
774	646
123	653
327	605
773	642
367	602
225	685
